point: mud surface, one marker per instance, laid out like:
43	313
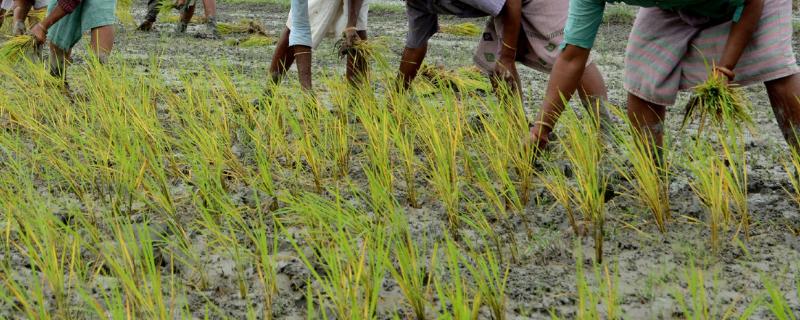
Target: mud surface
651	266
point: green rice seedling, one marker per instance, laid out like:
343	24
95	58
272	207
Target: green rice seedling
375	49
257	41
442	134
176	18
404	137
709	185
491	278
720	181
466	29
165	6
699	302
17	47
734	154
310	141
792	168
777	303
557	184
124	11
456	300
433	79
715	100
242	26
376	123
267	272
412	270
646	167
586	155
592	297
353	274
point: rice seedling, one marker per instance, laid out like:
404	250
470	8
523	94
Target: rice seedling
586	155
466	29
777	304
165	6
442	135
593	297
376	123
124	11
242	26
734	153
490	278
404	137
699	302
646	167
456	300
176	18
709	184
374	49
433	79
353	271
413	270
715	101
17	47
553	179
792	168
256	41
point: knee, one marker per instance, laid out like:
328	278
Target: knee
786	86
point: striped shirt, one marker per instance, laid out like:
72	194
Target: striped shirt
585	16
69	5
423	15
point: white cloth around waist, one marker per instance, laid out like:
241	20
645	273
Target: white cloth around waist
325	18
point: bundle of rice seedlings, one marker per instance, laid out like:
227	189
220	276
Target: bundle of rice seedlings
242	26
124	11
166	6
176	18
37	14
464	80
257	41
466	29
714	101
375	49
16	47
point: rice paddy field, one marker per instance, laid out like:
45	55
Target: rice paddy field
155	188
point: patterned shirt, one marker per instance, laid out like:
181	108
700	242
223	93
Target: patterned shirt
423	15
585	16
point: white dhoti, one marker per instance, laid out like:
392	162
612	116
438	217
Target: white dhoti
329	18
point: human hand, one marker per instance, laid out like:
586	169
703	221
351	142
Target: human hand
505	70
350	39
39	33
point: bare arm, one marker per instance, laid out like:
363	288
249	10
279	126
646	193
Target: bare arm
39	31
741	34
511	15
564	80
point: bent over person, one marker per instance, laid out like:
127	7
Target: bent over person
423	23
748	42
309	22
538	46
65	24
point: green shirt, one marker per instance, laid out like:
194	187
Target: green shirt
585	16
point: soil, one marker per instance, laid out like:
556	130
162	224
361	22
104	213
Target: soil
651	266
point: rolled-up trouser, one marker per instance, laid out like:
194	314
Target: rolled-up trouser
88	15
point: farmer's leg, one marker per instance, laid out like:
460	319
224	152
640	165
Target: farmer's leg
186	17
102	42
647	118
210	9
784	100
153	7
58	61
593	94
2	17
302	54
21	10
357	63
282	59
